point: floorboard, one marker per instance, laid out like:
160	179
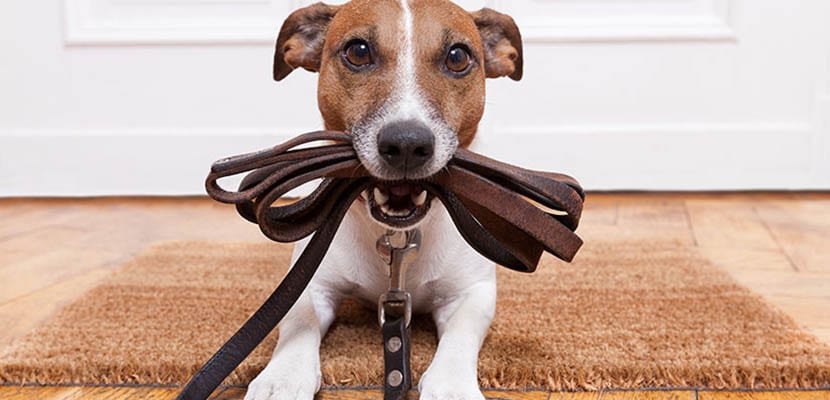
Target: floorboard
53	250
151	393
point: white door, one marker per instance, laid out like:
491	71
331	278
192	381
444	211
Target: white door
139	96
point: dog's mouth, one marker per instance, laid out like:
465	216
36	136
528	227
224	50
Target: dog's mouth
398	204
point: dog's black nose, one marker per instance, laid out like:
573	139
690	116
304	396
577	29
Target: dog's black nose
406	145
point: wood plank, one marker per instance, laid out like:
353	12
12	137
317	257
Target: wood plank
516	395
132	226
37	393
803	231
8	210
363	394
636	221
600	212
80	393
325	394
374	394
811	313
821	333
787	283
782	395
654	213
730	224
125	393
154	393
22	315
49	268
28	219
353	395
740	259
751	235
230	394
626	395
37	241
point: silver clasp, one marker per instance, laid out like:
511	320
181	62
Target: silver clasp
398	250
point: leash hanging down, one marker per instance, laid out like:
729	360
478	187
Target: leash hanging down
508	214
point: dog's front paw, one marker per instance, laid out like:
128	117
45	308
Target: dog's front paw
449	386
284	382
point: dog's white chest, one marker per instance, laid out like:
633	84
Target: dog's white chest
445	264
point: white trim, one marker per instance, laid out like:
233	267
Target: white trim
714	25
633	157
279	133
91	22
665	157
95	164
820	147
629	30
821	144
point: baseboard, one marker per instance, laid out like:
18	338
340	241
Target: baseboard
116	165
740	157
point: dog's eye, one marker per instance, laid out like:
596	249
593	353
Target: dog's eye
458	59
358	53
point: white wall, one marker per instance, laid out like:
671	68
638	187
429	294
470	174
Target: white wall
104	97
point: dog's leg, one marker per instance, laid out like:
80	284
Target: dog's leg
294	370
462	325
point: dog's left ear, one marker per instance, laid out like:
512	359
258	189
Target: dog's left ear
301	39
502	44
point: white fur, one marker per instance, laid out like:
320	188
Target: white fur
448	278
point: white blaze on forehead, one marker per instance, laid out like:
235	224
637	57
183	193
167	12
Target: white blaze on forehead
410	104
406	102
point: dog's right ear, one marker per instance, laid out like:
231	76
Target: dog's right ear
300	43
502	44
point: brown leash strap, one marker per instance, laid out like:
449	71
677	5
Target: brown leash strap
396	353
508	214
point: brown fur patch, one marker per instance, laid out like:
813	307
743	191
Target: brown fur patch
502	42
314	38
344	96
460	100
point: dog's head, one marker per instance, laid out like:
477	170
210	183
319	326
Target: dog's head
406	79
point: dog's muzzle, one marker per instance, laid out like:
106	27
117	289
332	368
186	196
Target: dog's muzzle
405	148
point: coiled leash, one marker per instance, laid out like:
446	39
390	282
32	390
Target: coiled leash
508	214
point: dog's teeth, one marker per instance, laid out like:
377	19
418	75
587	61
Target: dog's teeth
421	199
393	213
365	195
380	198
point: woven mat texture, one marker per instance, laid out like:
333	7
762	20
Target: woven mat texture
622	316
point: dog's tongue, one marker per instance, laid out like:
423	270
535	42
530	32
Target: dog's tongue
400	190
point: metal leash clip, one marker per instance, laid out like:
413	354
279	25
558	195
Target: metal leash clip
397	249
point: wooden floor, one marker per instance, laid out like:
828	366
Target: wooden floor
109	393
51	251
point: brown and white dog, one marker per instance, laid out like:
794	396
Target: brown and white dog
407	79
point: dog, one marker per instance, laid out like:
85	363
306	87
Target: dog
407	79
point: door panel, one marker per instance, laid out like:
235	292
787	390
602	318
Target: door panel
139	96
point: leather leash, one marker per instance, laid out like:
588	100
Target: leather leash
508	214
